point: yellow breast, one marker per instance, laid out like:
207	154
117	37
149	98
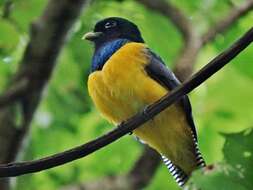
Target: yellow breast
123	88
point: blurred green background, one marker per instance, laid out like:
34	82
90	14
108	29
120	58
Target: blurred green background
66	116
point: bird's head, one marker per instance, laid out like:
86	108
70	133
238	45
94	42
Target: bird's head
113	28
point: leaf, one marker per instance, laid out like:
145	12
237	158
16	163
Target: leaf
9	37
238	152
221	176
236	170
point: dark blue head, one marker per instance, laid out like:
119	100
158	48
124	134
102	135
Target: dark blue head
113	28
108	36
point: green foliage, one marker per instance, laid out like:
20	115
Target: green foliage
238	152
66	116
9	37
236	170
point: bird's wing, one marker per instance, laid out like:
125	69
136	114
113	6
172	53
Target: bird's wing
157	70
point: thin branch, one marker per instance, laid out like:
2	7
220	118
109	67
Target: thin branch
170	11
184	64
182	70
222	25
191	40
192	44
13	93
188	55
15	169
186	59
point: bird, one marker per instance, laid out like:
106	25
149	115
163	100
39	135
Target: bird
126	76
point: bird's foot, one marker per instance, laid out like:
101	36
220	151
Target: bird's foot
146	113
121	124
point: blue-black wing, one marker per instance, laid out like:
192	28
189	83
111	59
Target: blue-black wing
157	70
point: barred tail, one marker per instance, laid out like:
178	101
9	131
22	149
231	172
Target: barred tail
199	159
178	174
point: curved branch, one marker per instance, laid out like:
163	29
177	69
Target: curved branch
222	25
192	41
170	11
15	169
13	93
184	64
188	55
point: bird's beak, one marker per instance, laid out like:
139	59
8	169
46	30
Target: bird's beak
91	36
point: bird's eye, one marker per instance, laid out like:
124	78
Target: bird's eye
110	25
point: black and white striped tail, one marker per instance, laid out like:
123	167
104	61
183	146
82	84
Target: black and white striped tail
199	159
178	174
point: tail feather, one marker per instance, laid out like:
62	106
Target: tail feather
178	174
199	159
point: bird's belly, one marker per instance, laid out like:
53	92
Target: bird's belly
119	98
123	88
125	95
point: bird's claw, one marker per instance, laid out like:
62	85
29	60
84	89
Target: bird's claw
122	123
145	112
